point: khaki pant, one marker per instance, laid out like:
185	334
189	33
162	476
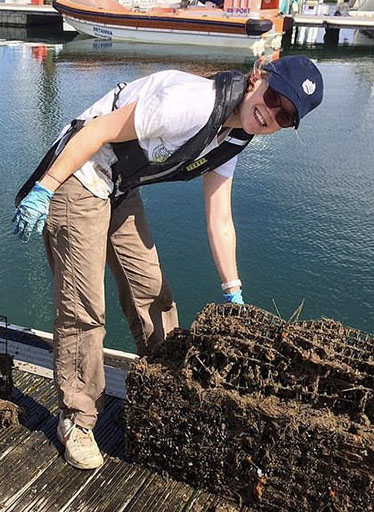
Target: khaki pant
83	233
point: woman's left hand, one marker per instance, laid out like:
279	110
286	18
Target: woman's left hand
234	298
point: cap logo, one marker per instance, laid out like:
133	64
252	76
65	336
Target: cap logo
308	87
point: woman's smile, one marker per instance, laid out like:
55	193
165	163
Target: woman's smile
259	117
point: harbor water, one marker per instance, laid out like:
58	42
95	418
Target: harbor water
303	203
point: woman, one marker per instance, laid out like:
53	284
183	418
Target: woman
167	126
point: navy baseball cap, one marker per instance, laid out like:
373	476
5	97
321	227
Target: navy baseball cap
299	80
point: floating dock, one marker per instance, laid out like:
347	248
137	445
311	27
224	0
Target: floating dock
334	22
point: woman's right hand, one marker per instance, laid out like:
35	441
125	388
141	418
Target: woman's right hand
32	212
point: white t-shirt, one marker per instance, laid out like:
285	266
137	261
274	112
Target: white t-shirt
171	107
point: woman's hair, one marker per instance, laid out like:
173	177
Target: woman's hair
257	69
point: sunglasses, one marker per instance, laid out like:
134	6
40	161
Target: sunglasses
273	99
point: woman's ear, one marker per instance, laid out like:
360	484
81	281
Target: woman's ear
256	75
257	67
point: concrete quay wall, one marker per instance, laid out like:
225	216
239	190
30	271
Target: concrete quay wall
23	15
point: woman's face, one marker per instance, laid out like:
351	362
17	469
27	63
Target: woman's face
254	116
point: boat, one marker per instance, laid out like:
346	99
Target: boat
255	26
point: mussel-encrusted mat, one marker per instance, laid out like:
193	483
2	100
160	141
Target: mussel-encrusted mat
275	415
6	382
8	410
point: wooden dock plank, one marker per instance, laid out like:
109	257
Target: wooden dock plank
160	495
26	462
10	438
204	502
114	486
38	406
34	410
40	496
25	382
54	489
181	495
201	501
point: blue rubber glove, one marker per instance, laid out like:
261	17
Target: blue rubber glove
234	298
32	212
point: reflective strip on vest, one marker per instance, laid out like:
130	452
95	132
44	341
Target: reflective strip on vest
144	179
238	142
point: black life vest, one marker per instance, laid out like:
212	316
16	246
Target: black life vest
133	168
48	159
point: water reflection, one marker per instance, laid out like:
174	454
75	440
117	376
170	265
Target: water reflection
189	57
47	85
50	32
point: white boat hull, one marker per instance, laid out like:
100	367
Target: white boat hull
255	44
